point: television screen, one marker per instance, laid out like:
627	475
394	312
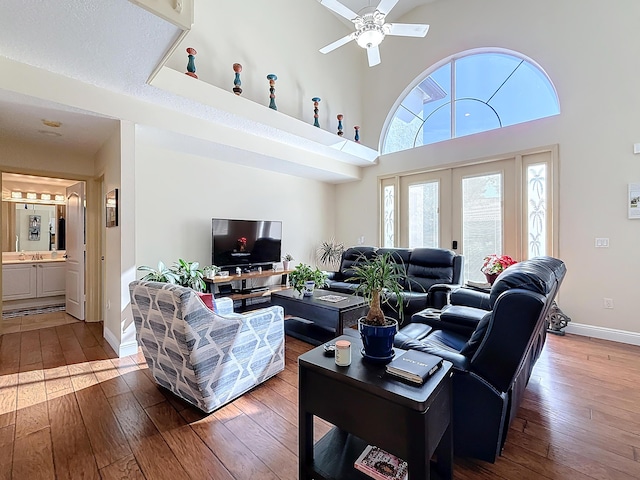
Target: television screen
245	243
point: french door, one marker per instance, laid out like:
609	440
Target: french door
484	209
502	206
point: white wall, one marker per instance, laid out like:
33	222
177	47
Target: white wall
177	195
281	37
21	156
588	49
108	166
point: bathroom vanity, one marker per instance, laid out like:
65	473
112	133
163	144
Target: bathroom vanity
36	281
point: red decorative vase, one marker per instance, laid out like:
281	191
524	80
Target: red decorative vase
491	277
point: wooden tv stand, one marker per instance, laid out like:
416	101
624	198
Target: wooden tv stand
244	292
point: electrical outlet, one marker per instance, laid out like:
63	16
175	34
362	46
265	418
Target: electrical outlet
607	302
602	243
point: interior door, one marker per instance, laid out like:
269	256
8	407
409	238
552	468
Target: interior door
75	246
484	213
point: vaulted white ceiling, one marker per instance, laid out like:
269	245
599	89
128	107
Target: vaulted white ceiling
111	44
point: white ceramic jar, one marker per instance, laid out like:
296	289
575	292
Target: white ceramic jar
343	353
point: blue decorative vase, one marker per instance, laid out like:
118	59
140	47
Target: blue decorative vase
377	341
191	63
237	89
272	77
315	101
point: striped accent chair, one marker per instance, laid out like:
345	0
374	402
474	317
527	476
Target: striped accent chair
206	358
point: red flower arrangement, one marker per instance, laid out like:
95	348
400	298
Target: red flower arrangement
242	241
495	264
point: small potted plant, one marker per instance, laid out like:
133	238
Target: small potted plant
330	252
377	277
286	261
494	265
304	278
211	271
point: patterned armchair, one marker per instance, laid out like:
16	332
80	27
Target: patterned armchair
206	358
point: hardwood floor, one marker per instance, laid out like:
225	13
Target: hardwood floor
70	409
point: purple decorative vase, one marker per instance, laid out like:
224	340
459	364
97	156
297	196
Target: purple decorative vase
491	277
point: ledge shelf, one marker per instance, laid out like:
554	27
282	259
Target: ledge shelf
185	86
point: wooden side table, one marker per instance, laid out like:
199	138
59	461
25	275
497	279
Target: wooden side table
368	407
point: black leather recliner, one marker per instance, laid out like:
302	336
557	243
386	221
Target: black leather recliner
493	350
424	268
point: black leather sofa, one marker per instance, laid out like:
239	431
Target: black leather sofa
493	341
424	268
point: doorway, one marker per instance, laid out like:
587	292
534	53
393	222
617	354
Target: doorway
34	240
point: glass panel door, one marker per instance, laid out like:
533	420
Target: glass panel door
426	214
481	224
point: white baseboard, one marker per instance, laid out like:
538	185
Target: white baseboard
614	335
122	349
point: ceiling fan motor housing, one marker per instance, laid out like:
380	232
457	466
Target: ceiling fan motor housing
370	29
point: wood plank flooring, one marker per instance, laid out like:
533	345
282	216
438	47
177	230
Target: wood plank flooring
70	409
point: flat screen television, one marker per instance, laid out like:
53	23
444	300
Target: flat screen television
245	243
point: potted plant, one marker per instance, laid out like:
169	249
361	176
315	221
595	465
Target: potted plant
494	265
286	261
211	271
377	277
304	278
162	274
330	252
186	274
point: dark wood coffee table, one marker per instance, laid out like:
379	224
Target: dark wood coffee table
368	407
314	320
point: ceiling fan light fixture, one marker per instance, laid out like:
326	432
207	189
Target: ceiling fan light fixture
370	35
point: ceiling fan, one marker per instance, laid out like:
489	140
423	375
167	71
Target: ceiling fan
371	28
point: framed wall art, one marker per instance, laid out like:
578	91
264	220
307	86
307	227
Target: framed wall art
34	227
633	205
111	204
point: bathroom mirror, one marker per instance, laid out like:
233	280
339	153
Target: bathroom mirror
32	227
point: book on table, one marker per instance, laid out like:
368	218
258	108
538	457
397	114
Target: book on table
381	465
414	366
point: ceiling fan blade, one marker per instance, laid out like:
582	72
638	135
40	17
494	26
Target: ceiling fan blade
339	8
373	55
385	6
407	29
338	43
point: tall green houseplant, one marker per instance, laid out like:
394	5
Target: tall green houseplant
375	276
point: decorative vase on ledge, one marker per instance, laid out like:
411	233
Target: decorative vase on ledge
491	277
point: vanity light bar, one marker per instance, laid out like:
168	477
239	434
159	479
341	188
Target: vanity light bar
32	197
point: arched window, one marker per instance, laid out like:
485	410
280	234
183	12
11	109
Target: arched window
491	89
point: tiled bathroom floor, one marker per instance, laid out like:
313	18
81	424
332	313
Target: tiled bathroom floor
35	322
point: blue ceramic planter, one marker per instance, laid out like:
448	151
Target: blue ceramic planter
378	341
